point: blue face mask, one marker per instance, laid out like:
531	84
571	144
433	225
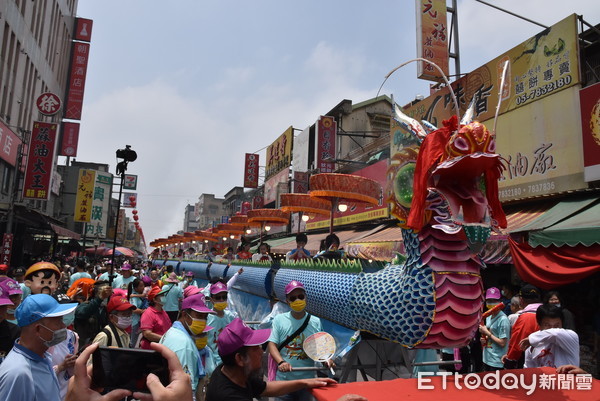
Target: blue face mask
68	319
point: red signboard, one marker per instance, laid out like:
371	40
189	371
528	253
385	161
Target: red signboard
39	161
70	138
300	182
79	60
325	149
251	171
9	144
83	30
258	202
590	124
48	103
7	241
246	206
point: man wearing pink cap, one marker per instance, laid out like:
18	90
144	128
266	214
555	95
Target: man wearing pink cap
288	352
221	318
188	338
496	333
239	377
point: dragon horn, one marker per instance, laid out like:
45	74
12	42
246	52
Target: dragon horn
504	70
409	124
468	117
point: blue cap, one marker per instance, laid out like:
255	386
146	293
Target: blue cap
39	306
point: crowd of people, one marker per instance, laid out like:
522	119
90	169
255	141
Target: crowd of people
52	319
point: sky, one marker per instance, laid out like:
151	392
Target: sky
193	85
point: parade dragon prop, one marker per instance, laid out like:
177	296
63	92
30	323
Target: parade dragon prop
443	189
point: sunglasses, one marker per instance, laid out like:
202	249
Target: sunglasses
220	297
300	297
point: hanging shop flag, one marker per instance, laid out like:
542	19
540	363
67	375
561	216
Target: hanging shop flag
79	61
300	182
9	145
98	224
83	31
325	149
432	38
70	139
40	161
85	195
7	241
251	171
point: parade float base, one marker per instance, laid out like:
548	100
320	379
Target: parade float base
407	389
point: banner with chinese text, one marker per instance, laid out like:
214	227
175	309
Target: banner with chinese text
84	198
9	145
79	61
279	153
70	139
432	38
325	151
40	161
98	225
251	171
7	242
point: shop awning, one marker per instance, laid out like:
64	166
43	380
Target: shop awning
381	244
581	228
275	243
64	232
557	213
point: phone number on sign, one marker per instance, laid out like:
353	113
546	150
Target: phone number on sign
545	89
531	189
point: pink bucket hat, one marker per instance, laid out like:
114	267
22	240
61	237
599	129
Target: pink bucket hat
190	290
237	335
293	285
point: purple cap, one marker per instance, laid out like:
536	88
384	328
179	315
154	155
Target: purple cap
237	335
190	290
195	302
218	287
293	285
147	280
10	286
492	293
189	274
126	266
4	300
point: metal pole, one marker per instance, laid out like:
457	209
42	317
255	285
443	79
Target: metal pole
84	238
112	262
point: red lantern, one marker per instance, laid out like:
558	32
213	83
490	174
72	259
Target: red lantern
134	211
136	217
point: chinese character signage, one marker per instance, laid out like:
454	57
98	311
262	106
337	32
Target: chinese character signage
122	224
129	199
251	171
79	61
272	184
83	31
7	240
130	181
9	144
325	146
85	196
98	224
590	127
432	38
300	182
40	161
279	153
48	104
70	139
258	202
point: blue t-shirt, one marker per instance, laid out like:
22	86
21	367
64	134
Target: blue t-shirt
285	325
499	325
24	375
171	299
77	276
122	282
137	302
218	324
26	291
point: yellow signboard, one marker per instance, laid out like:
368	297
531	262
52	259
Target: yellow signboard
378	213
432	38
279	153
84	198
543	65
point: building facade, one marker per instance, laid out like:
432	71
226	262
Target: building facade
208	211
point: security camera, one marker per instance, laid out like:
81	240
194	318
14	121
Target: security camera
127	154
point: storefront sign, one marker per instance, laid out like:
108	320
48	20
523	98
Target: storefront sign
129	199
279	154
130	181
432	38
98	224
48	103
7	241
70	139
79	61
590	130
258	202
9	145
85	194
251	171
84	29
40	161
325	151
300	182
271	185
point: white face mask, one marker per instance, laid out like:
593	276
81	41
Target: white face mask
124	322
58	336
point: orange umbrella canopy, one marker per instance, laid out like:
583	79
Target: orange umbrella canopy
304	203
349	187
229	229
268	216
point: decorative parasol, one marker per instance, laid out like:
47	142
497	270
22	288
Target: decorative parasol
304	203
335	187
268	216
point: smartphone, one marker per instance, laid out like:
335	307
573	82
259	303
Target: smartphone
127	369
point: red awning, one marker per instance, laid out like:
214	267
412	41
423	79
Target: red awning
554	266
64	232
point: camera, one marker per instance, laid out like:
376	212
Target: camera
127	154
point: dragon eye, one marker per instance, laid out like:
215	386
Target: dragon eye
461	144
492	146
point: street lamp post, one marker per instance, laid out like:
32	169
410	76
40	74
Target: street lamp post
128	155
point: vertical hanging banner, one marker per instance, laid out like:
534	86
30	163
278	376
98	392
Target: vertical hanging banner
7	241
40	161
79	61
279	153
129	199
9	145
98	224
325	148
83	31
300	182
432	38
85	194
251	171
70	139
